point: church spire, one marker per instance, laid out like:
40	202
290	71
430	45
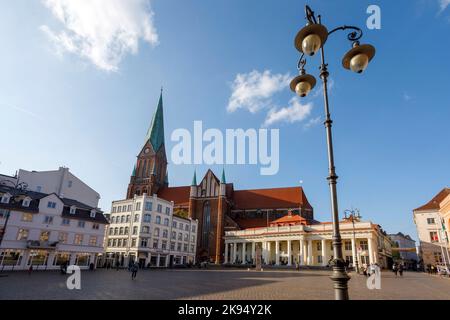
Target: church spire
194	179
155	133
223	180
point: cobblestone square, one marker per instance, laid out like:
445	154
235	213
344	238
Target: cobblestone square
216	284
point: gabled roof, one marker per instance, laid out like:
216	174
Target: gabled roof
290	219
434	203
155	134
277	198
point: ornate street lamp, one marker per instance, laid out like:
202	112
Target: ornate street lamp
309	41
353	215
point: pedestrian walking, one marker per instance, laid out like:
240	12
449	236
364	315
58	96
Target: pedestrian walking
134	270
400	270
394	269
30	269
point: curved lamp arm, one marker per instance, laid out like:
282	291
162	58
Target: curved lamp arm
352	36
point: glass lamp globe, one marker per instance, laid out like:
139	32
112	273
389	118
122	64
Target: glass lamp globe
359	63
303	88
311	44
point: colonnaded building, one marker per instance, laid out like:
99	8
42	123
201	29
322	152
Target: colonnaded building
216	205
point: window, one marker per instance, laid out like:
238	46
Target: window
156	232
434	236
114	210
319	246
126	231
78	239
38	188
62	237
5	198
178	246
81	224
144	242
174	224
111	231
119	242
165	234
158	220
147	218
133	242
145	229
48	220
26	202
174	235
148	206
155	244
193	228
159	208
167	210
129	208
135	230
114	243
364	245
166	222
121	231
186	228
22	234
128	219
113	219
430	221
185	247
119	209
110	243
51	205
348	245
138	206
124	243
95	226
172	246
206	223
438	257
93	213
180	236
73	210
181	226
192	248
27	217
186	237
45	235
136	218
65	222
164	245
93	241
122	219
69	184
124	208
319	259
116	231
193	239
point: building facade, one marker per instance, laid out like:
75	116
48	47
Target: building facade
145	230
405	251
213	202
433	247
293	240
44	231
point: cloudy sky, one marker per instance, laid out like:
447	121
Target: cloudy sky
79	80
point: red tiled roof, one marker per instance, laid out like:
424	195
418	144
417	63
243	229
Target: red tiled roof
434	203
276	198
179	195
290	220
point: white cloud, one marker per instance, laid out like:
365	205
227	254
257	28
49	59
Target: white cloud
295	112
102	31
253	91
443	4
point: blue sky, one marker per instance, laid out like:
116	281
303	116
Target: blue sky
68	99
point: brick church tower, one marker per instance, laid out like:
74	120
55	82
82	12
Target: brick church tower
150	171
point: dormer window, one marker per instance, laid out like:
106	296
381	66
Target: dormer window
73	210
6	197
93	213
26	202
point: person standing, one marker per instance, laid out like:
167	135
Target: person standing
394	269
134	270
400	270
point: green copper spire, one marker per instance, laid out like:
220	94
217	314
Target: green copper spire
194	179
134	171
223	180
155	133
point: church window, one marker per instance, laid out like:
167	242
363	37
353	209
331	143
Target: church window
206	224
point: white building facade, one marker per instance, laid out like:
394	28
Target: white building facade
45	231
145	230
61	182
307	245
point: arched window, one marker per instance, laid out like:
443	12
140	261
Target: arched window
206	224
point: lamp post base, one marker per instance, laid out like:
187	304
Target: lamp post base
340	279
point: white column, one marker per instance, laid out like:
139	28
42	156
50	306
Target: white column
324	252
277	253
244	249
354	253
158	260
253	251
234	252
375	250
289	252
226	252
310	255
301	252
369	241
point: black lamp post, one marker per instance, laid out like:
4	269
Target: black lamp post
309	41
353	215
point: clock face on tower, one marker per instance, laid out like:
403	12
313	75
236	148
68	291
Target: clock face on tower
147	150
